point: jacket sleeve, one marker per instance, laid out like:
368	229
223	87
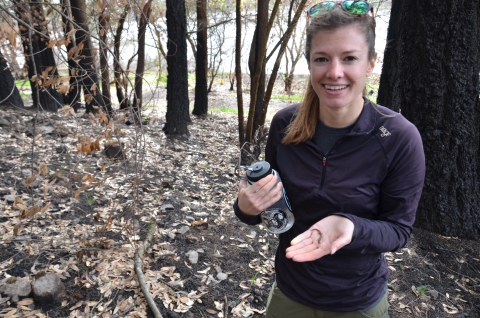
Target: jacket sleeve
274	138
399	196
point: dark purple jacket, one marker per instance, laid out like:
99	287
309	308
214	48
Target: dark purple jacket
373	176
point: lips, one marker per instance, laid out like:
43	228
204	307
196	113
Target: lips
335	88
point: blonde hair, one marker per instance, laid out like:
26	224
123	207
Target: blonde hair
307	114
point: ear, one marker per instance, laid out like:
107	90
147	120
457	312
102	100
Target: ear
371	65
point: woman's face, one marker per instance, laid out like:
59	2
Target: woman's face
338	68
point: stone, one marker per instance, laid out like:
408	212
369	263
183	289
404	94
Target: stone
48	289
10	197
26	173
15	288
222	276
192	257
4	122
183	229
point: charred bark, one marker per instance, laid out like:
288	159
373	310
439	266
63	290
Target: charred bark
39	57
119	73
177	115
103	19
137	97
86	72
430	73
9	94
200	107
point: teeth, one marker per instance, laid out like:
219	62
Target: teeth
335	88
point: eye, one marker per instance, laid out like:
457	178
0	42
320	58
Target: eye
321	59
350	58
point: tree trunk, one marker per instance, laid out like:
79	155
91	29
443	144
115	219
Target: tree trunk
87	72
177	115
430	73
103	19
200	107
72	97
256	64
137	97
119	73
9	94
238	71
38	56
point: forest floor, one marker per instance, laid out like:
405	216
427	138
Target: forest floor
93	213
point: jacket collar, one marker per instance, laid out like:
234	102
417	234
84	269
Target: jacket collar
366	121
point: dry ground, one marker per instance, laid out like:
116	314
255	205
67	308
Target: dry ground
94	213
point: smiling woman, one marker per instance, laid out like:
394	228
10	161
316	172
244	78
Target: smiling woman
353	172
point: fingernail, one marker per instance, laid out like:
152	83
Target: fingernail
334	250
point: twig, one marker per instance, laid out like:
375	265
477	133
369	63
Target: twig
138	270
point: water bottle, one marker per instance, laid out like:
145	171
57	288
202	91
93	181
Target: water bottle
277	218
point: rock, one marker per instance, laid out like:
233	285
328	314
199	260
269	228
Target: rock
222	276
26	173
10	197
167	207
183	229
48	289
4	122
192	256
15	288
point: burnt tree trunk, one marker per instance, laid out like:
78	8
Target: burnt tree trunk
86	72
177	116
119	74
72	97
238	71
137	97
103	19
9	94
430	73
256	64
42	70
200	107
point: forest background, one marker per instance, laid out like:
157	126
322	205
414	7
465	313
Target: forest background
98	143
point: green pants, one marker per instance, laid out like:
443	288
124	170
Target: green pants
280	306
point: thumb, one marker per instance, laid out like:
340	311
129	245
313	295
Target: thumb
339	243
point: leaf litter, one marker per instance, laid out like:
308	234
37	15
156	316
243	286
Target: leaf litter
68	209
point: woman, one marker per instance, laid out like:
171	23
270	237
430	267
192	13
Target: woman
353	172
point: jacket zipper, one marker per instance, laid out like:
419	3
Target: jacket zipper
324	171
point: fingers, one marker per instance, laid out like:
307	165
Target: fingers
256	198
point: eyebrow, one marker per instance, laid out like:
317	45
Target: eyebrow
346	52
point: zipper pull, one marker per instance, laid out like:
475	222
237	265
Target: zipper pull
324	161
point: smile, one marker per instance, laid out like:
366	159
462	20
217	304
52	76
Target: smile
335	88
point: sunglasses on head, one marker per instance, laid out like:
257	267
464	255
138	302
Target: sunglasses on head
356	7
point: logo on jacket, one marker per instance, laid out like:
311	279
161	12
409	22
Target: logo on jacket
385	132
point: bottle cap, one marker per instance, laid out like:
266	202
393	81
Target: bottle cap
258	171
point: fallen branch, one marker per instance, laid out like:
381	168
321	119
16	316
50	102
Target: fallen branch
138	265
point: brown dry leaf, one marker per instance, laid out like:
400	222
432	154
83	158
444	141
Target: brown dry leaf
46	207
37	137
199	222
211	311
450	309
51	43
30	180
17	229
11	314
30	212
42	169
26	302
76	195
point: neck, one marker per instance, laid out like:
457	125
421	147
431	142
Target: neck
341	117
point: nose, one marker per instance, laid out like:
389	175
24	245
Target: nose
335	70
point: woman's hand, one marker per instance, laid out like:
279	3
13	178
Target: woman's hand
325	237
256	198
